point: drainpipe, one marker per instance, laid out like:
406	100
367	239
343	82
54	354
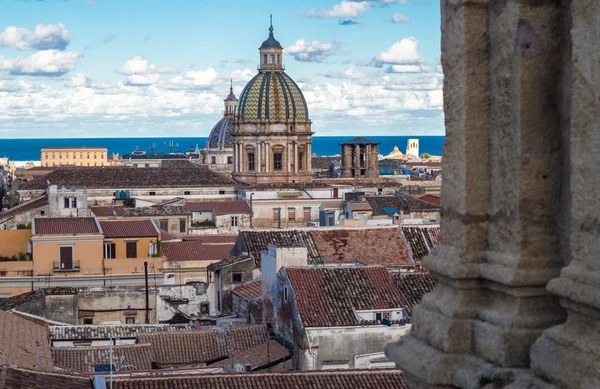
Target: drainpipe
279	217
251	211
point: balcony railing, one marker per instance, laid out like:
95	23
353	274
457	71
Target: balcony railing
58	268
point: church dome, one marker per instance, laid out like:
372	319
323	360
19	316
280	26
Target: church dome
221	133
274	97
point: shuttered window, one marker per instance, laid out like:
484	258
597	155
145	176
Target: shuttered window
131	249
291	213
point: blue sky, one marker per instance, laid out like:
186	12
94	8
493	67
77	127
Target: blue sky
85	68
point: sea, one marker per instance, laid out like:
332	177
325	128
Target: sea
29	149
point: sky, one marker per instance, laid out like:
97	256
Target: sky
161	68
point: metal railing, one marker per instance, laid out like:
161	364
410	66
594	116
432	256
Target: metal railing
59	268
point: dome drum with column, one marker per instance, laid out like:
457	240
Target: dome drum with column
272	129
219	147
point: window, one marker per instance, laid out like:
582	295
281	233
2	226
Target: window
275	214
70	202
230	160
152	193
88	321
130	320
131	248
285	293
237	278
271	59
300	160
213	160
291	213
42	213
110	251
378	316
182	225
204	308
66	258
307	214
251	161
186	192
278	161
164	225
221	192
234	221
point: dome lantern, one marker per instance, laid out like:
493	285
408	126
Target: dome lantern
271	52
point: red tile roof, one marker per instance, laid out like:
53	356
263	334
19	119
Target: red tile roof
249	291
195	250
65	226
413	286
85	359
128	228
220	207
421	240
34	203
429	198
328	296
195	347
359	206
18	338
255	241
12	378
258	357
369	246
108	211
213	238
354	379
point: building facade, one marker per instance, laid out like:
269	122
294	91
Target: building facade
74	156
219	147
272	130
360	158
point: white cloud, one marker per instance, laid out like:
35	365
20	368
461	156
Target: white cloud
139	65
50	63
202	79
399	18
345	9
83	80
406	69
393	1
311	51
403	52
44	37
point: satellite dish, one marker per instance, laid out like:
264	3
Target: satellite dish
239	368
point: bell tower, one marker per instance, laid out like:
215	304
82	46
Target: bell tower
271	52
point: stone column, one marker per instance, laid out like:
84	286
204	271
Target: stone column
257	158
242	157
267	158
288	157
346	161
308	163
295	157
234	159
569	354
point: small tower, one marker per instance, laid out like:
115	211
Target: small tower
360	158
230	102
412	148
271	52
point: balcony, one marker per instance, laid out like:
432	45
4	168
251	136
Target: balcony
64	268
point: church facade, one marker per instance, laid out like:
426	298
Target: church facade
271	131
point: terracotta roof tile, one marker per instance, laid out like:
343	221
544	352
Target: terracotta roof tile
107	211
128	228
255	241
65	226
249	291
85	359
229	261
195	250
327	296
25	206
359	206
259	356
195	347
220	207
155	210
421	240
369	246
429	198
13	302
355	379
88	332
18	342
184	175
413	286
12	378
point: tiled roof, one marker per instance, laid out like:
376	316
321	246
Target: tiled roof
412	204
359	141
369	246
213	238
220	207
183	175
259	356
359	206
229	261
429	198
421	240
18	338
13	302
413	287
112	331
107	211
155	210
128	228
256	241
65	226
194	347
25	206
196	250
166	236
354	379
327	296
14	378
377	203
249	291
85	359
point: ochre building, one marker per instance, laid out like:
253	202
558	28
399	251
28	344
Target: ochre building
74	156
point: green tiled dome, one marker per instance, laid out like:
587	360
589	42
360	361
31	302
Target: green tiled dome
272	96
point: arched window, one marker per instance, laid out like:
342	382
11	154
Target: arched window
271	59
